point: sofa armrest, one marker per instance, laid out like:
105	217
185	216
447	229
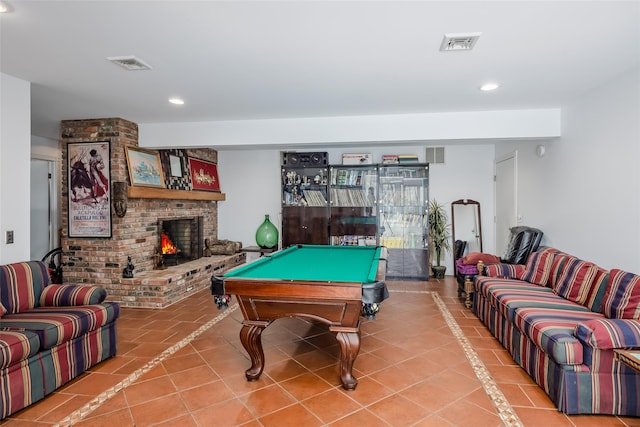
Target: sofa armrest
504	270
71	295
607	334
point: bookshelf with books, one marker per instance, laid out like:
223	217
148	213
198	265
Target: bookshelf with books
403	194
353	212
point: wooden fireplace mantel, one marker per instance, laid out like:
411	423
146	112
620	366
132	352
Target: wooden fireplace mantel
163	193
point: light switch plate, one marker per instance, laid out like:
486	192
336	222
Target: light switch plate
9	237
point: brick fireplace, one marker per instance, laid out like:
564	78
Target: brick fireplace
137	235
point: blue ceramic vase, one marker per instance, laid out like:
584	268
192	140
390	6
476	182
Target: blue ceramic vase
267	234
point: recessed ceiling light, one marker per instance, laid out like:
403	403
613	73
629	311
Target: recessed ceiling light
176	101
488	87
4	7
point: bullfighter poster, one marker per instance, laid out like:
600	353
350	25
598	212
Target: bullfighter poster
89	189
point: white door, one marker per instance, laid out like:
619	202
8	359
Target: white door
42	238
506	188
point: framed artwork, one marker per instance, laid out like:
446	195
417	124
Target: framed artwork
175	169
204	175
89	195
144	168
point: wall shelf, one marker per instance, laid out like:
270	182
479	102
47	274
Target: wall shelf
163	193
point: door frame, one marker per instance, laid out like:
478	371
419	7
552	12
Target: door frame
54	196
514	156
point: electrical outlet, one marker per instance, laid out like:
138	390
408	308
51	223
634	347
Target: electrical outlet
9	237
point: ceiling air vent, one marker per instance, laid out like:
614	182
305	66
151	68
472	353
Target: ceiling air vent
460	41
130	63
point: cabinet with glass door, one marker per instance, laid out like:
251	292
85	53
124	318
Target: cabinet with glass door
403	197
353	213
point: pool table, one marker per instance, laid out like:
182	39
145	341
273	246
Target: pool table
334	285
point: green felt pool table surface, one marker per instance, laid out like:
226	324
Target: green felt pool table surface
356	264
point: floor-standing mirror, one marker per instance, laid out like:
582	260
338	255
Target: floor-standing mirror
466	227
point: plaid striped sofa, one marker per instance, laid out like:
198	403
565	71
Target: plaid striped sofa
561	319
49	334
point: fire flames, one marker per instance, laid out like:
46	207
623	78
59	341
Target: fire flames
167	245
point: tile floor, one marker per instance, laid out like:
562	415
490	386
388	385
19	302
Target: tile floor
184	366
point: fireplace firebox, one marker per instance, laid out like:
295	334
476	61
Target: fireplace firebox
180	239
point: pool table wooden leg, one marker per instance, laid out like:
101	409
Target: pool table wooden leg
250	336
349	348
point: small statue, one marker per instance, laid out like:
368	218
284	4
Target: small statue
159	261
127	272
207	247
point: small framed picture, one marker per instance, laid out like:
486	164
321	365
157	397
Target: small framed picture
204	175
144	166
175	168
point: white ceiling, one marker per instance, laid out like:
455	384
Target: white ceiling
265	59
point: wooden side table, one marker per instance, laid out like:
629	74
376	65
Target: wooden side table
257	250
629	358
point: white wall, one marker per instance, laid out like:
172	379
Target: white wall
585	192
251	181
15	161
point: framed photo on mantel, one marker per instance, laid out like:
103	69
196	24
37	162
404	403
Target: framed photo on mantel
144	168
204	175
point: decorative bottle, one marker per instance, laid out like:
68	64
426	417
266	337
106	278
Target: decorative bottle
267	234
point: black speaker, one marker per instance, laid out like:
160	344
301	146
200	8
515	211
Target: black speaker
304	159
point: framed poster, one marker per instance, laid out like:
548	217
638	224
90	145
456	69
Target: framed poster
89	196
204	175
144	167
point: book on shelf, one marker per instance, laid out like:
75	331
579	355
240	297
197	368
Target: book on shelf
389	159
407	158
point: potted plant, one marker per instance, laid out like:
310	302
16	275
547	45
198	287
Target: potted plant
439	237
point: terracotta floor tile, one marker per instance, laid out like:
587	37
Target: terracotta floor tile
305	386
149	390
94	383
398	411
266	400
360	418
158	410
331	405
120	417
206	395
291	416
225	414
193	377
368	391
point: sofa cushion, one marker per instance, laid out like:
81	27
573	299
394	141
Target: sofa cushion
21	284
538	267
508	301
16	346
622	299
575	280
551	330
466	269
509	271
55	325
607	334
475	257
595	296
66	295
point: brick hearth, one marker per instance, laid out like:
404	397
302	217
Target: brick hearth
101	261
